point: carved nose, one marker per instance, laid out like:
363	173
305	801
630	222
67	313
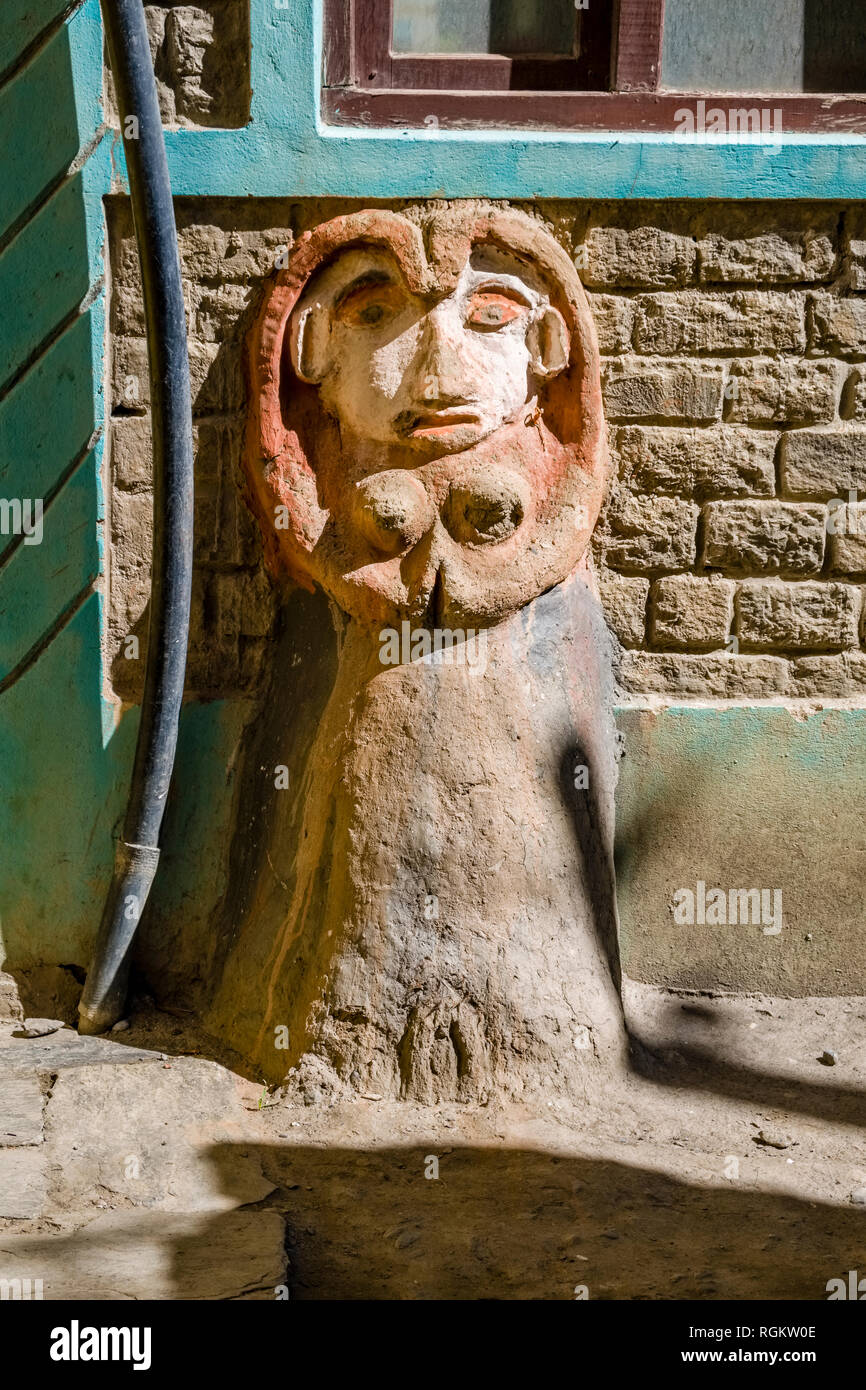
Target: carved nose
486	507
392	510
441	374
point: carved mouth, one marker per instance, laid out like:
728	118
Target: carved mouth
436	422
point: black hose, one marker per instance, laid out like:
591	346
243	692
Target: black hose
137	850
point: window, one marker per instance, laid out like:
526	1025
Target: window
594	64
765	46
489	44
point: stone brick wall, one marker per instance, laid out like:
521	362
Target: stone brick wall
732	338
735	407
201	59
224	258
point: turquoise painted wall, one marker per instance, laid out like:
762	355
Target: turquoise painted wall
744	797
65	749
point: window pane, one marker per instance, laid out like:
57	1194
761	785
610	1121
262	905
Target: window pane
834	46
484	26
764	46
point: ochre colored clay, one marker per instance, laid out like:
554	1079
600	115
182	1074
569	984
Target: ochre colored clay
426	444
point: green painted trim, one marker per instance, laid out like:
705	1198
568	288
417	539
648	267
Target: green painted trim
64	756
52	266
63	794
52	572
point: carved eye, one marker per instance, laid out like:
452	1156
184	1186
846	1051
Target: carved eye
492	309
370	305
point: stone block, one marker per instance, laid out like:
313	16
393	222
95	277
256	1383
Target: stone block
763	537
650	533
637	389
691	611
808	617
693	321
720	461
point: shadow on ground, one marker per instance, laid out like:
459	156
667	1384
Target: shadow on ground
521	1224
699	1045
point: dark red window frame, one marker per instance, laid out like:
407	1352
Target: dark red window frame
365	83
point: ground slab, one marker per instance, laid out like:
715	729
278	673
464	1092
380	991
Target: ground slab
730	1163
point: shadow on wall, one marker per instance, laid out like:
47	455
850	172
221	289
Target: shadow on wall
743	798
246	761
834	46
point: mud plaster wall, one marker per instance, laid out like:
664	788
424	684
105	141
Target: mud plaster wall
732	338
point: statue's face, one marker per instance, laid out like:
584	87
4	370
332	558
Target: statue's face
434	374
445	480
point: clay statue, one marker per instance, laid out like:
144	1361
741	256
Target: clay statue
426	444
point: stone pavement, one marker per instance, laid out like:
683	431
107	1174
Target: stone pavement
732	1166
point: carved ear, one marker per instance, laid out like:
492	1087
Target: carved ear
309	341
549	343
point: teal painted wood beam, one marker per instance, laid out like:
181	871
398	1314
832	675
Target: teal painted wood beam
495	164
22	23
53	413
46	117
